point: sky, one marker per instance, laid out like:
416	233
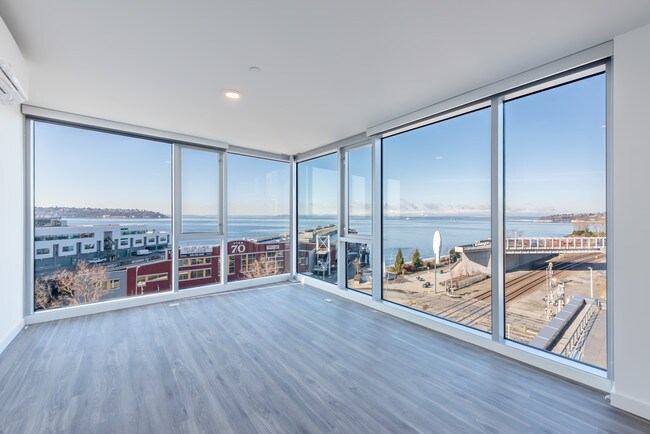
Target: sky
317	186
77	167
554	163
257	186
359	163
200	182
554	148
439	169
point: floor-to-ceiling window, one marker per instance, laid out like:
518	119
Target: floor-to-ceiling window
258	217
201	228
102	215
436	218
555	209
527	166
117	215
318	186
357	212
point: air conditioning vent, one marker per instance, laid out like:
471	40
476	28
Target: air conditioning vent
11	92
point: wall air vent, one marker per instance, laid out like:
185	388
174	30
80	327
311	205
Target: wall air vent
11	92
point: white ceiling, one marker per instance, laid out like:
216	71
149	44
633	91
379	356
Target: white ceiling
330	69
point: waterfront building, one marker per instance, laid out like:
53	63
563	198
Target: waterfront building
58	240
139	260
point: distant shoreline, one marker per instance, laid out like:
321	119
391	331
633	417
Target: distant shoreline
593	218
121	214
95	213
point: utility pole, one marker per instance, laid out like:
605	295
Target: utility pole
591	281
549	284
437	244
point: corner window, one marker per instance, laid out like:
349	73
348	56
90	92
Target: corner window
258	216
317	218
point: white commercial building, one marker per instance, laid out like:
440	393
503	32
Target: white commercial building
57	241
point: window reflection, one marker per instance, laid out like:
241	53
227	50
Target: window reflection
556	237
258	217
436	179
317	217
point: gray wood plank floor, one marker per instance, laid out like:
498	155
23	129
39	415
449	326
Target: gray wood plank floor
277	359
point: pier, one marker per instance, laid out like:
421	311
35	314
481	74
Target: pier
536	245
555	245
522	251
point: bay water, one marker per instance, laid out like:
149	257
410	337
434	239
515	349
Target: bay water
407	233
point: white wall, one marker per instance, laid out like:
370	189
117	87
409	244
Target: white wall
11	200
631	221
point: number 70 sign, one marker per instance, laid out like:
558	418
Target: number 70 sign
237	248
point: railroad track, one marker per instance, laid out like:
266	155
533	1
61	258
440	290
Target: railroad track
483	295
472	311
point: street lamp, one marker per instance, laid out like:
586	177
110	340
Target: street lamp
141	285
437	244
591	281
135	290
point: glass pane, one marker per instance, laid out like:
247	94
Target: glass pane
102	218
258	217
359	163
200	190
437	179
555	220
358	274
317	218
198	263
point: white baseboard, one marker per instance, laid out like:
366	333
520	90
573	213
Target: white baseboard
631	405
6	340
162	297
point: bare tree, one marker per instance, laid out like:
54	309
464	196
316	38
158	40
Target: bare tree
358	267
86	284
43	298
264	265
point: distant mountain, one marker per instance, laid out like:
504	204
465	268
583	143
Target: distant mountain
95	213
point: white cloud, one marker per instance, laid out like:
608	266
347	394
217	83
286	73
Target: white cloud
408	208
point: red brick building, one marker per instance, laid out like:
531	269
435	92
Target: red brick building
200	265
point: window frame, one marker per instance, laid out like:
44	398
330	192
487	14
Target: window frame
492	93
230	267
296	260
447	116
178	236
572	76
178	195
344	170
176	141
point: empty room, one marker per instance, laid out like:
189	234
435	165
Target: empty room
295	216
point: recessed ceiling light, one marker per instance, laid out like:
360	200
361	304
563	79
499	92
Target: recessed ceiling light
232	94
